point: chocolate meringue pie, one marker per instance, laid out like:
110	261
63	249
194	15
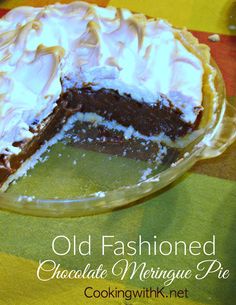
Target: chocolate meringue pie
108	65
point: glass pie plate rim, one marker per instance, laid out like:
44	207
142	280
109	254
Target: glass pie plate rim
220	134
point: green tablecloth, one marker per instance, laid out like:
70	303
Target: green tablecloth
194	208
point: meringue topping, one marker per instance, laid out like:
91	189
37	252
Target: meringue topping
44	51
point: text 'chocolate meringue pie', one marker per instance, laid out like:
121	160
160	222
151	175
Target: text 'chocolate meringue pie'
63	63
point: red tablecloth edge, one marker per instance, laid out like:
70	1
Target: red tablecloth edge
224	53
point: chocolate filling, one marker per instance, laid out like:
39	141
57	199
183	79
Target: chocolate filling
147	119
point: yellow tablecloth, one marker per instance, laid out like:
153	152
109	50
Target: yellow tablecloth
210	16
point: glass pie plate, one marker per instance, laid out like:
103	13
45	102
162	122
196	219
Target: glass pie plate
75	181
